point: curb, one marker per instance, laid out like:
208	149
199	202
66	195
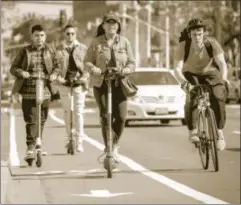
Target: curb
6	180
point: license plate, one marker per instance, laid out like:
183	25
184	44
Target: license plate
161	111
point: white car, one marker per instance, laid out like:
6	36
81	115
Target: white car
159	96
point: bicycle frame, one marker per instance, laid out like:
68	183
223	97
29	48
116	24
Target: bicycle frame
203	103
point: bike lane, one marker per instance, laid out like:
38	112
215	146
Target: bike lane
81	179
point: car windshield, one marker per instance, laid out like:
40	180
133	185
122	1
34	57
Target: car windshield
153	78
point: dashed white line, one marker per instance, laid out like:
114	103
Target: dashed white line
205	198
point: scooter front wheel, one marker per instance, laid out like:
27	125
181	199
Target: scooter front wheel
30	161
109	165
71	147
39	160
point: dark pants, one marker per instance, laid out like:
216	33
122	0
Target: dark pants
217	98
29	109
119	111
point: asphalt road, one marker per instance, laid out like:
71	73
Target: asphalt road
158	165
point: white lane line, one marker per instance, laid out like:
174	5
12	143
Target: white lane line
13	153
205	198
236	132
233	106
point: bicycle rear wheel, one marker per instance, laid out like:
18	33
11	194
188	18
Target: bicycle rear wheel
203	146
213	136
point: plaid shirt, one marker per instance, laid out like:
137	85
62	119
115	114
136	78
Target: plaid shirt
28	90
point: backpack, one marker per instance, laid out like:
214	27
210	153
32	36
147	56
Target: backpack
185	37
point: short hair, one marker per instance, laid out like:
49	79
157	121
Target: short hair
69	26
37	27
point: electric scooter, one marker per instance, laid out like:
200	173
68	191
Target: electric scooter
109	163
72	141
40	77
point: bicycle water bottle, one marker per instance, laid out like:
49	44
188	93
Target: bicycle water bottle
39	90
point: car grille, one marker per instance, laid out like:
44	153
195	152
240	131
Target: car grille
149	99
170	99
169	113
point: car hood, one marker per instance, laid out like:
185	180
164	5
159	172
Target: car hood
157	90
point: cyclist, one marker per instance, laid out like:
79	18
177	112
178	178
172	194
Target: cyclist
109	46
30	60
195	63
71	56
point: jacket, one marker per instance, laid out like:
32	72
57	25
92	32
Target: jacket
78	55
98	53
22	61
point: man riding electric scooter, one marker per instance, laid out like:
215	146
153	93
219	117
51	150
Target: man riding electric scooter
32	60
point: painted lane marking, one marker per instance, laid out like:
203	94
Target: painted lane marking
13	153
102	194
236	132
181	188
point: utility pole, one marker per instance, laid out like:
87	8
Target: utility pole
167	39
122	9
218	19
137	47
149	19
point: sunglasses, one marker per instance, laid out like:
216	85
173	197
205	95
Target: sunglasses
111	21
68	34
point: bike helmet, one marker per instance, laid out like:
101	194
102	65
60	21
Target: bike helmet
195	23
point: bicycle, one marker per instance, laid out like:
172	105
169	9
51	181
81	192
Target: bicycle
207	128
72	82
39	77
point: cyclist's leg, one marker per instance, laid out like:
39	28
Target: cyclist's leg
191	109
218	99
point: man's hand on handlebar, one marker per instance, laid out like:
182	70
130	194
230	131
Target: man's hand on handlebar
25	74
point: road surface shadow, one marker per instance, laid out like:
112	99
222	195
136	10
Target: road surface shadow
63	126
151	125
233	149
99	174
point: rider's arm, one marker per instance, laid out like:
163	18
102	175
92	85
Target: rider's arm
218	55
90	60
220	60
56	63
179	64
16	67
130	65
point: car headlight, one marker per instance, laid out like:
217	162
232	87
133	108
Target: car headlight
136	98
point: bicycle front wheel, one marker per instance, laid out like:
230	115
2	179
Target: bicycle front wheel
213	136
203	146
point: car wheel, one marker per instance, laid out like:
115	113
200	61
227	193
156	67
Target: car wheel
127	123
184	122
165	122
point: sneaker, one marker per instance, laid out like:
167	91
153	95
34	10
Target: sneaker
193	138
116	154
44	153
221	144
29	153
79	145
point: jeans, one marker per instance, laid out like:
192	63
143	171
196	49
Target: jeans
79	95
217	98
29	109
119	111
